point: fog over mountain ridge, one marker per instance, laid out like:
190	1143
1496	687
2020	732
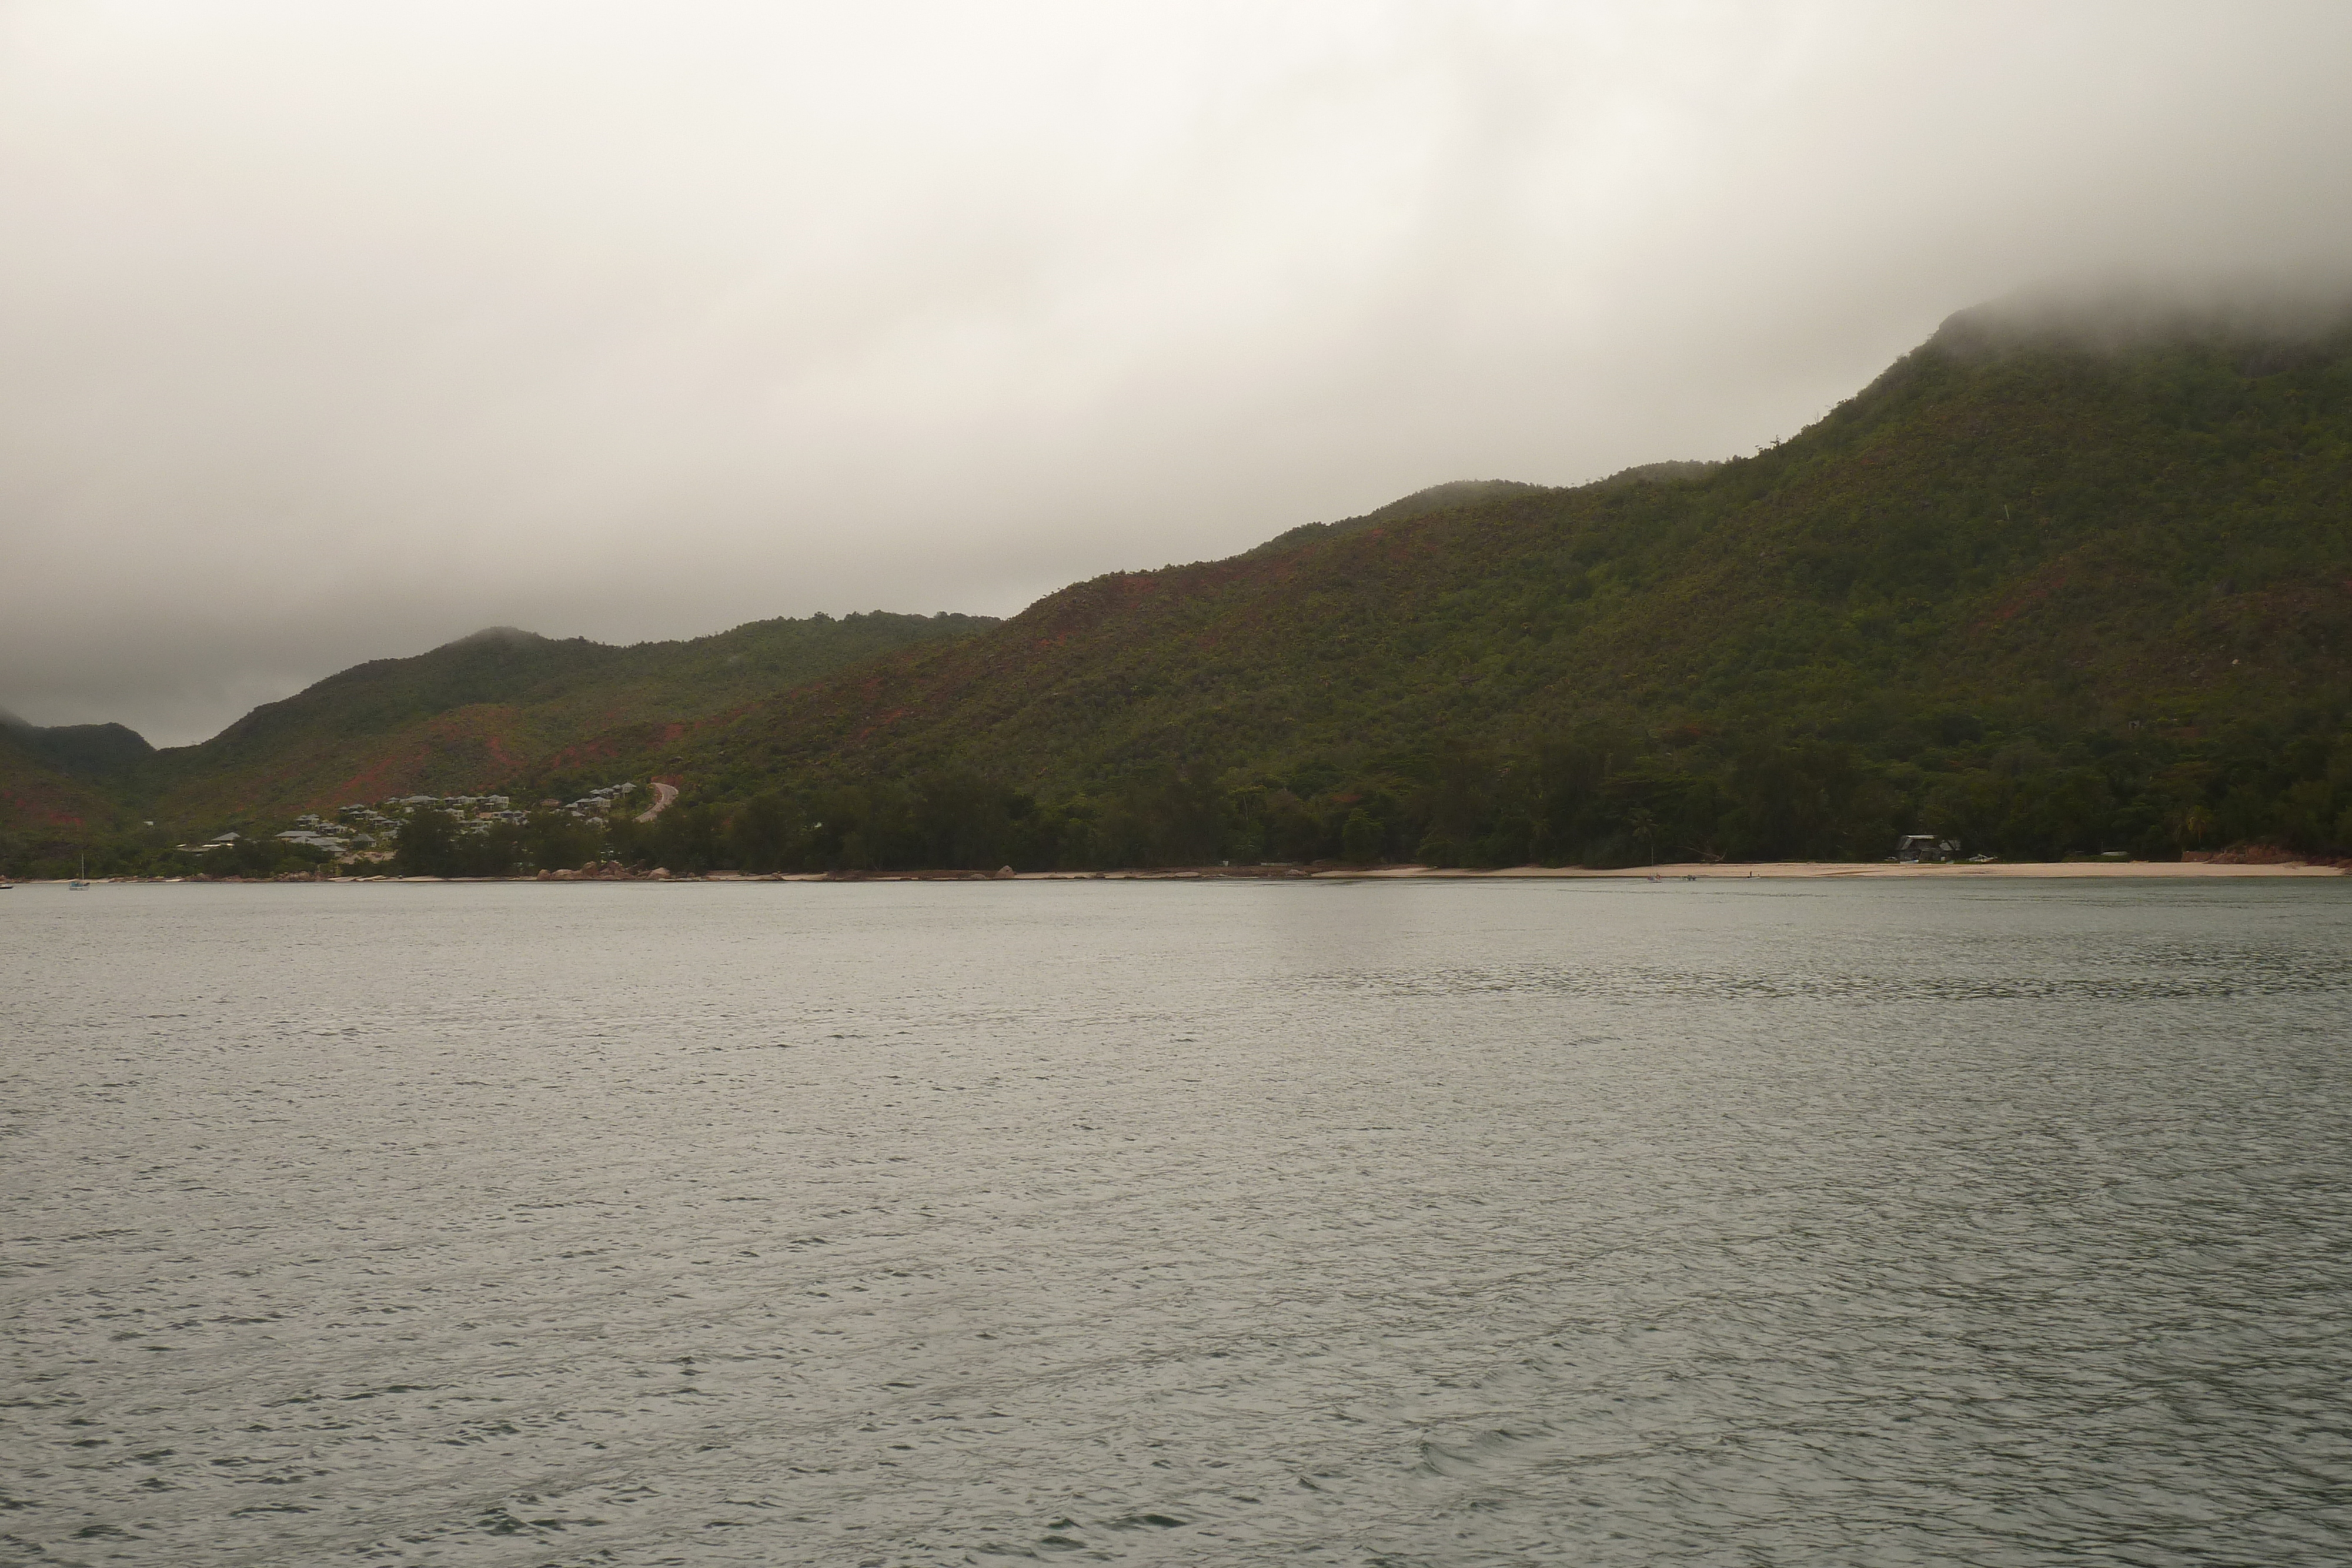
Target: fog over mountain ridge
2123	310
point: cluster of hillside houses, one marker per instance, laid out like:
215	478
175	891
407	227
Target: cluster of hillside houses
597	802
355	828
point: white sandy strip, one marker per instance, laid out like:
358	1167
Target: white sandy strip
1780	870
1881	869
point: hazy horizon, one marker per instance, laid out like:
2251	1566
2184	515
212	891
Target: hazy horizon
336	335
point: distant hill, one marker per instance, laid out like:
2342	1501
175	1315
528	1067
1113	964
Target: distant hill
51	781
501	706
2063	579
100	750
2045	588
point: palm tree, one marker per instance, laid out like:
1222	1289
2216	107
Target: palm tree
1643	824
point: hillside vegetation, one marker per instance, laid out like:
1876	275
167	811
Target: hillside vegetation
502	707
50	780
2042	588
492	710
2040	593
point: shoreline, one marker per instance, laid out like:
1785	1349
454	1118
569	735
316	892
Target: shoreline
1875	871
1773	871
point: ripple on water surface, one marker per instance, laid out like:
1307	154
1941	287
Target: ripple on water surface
1450	1223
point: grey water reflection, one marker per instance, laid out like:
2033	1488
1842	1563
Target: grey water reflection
1434	1224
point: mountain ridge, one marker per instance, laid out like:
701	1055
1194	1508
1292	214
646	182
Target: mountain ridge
484	711
2055	544
2047	587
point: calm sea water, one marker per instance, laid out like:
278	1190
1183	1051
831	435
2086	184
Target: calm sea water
1431	1224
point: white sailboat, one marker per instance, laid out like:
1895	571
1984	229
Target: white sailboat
81	884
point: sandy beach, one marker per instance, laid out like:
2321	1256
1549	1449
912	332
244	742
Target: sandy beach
1698	871
1818	869
1776	870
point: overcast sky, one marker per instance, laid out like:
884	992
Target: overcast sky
330	332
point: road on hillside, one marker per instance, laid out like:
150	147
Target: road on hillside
663	795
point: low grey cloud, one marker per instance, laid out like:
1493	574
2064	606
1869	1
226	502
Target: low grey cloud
333	332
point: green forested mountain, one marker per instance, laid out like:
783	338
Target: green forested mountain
89	750
2042	588
498	709
2036	592
53	781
